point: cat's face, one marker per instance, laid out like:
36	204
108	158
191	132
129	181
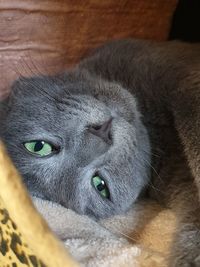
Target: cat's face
79	142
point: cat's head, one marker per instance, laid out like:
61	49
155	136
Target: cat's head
78	141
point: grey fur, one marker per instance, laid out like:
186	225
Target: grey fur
152	91
60	110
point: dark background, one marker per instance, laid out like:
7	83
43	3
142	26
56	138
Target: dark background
186	21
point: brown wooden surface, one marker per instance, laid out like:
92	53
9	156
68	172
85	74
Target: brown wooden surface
49	35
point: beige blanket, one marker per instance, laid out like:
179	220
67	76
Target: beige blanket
141	237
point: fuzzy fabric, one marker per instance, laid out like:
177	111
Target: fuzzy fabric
89	242
105	243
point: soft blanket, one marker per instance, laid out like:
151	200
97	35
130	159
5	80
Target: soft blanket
141	237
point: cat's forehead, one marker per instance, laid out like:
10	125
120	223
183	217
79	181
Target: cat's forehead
55	99
43	100
44	91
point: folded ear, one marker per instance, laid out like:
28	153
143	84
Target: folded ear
3	107
6	102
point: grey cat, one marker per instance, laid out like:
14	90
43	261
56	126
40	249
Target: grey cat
112	131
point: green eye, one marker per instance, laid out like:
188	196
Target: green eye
101	186
39	147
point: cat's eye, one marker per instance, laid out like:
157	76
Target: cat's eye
39	148
100	186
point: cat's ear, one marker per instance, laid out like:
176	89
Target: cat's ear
15	89
6	102
3	107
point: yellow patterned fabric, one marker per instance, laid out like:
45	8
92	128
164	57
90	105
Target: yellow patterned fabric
14	251
25	238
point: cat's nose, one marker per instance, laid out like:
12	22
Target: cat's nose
103	131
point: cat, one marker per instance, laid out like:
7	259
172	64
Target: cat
121	126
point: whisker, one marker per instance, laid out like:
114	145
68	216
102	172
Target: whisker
151	153
16	70
150	165
26	65
149	182
24	70
155	188
74	99
65	89
125	235
36	66
40	89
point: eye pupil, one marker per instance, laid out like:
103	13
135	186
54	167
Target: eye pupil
101	186
38	146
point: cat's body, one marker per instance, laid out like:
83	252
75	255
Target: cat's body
126	114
